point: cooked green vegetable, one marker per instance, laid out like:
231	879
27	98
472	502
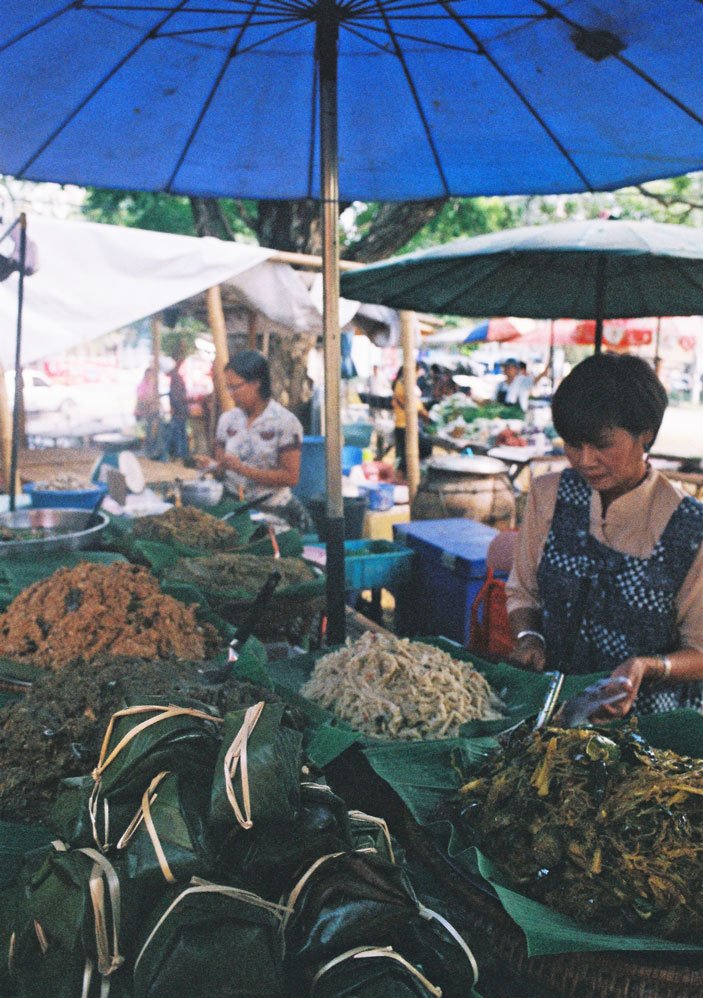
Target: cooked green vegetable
596	824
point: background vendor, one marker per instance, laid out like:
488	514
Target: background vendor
608	573
258	444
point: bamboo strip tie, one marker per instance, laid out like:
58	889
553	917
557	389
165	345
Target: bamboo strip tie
236	754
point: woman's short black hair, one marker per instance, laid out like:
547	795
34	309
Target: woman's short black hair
252	366
608	391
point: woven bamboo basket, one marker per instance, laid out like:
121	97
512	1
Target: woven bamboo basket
498	942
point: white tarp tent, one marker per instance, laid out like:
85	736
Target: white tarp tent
93	279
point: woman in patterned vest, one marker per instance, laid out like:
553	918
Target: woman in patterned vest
608	573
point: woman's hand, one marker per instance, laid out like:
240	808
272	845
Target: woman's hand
231	462
529	653
636	670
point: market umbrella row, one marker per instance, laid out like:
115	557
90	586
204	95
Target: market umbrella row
592	270
351	99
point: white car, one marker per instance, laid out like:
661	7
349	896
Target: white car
40	393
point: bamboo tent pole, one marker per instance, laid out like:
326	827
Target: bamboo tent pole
251	329
216	317
412	433
5	430
14	448
326	53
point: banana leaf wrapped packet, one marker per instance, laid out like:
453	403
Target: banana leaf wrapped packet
144	740
371	972
211	939
270	856
167	841
70	818
369	832
355	899
72	930
257	773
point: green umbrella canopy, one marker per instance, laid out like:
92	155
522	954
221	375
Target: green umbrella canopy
600	269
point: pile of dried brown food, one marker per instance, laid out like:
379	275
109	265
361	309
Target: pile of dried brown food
56	729
596	824
82	612
187	525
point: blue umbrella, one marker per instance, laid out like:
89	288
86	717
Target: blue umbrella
373	99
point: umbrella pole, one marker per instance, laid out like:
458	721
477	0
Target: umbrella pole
327	38
600	303
12	485
657	345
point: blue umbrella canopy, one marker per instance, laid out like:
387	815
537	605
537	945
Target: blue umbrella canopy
435	97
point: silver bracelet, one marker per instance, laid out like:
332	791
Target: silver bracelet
667	663
531	634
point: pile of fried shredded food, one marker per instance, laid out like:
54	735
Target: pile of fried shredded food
596	824
82	612
187	525
390	687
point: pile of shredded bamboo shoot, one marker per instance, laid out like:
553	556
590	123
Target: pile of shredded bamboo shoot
389	687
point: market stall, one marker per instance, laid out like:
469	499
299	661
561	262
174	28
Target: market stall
400	746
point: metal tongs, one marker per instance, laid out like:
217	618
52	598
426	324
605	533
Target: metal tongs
245	630
579	709
247	506
550	700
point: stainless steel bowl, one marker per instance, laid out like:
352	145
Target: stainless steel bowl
65	530
203	492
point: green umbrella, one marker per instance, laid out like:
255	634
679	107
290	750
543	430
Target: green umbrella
599	269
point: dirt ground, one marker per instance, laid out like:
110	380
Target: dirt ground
45	464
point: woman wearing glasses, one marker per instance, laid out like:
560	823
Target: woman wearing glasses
258	443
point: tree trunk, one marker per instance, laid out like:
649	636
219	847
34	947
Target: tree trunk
394	225
294	226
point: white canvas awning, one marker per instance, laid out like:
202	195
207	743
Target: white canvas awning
93	279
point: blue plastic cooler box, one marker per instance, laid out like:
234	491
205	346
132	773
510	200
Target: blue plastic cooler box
450	568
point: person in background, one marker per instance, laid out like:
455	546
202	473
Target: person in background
148	412
379	386
398	404
608	573
513	390
258	444
178	398
424	382
442	383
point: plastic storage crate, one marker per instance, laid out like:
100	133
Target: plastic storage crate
376	565
450	568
